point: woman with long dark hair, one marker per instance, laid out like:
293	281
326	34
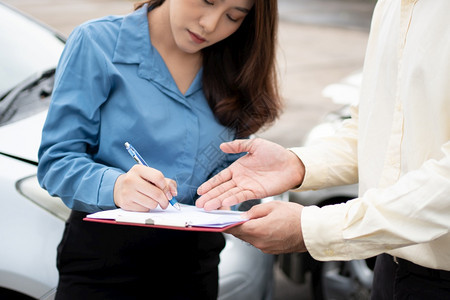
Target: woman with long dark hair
175	78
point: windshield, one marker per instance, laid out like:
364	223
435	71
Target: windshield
26	48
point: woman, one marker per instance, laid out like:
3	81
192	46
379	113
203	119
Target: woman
175	78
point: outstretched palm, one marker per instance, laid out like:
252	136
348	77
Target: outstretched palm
267	169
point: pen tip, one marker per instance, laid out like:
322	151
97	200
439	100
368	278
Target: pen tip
177	206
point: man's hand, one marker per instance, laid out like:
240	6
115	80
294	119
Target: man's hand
274	227
267	169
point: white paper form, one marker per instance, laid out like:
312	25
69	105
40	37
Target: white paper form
187	216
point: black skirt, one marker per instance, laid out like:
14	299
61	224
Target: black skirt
105	261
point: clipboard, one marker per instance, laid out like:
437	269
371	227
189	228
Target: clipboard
185	228
189	218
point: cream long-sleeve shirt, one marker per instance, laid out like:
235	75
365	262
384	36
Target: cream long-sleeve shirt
396	145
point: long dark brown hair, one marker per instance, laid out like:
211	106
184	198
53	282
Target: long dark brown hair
239	72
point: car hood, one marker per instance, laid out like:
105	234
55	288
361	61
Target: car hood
22	138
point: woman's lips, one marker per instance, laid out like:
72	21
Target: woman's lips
196	38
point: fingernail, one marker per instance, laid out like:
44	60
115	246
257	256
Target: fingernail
169	196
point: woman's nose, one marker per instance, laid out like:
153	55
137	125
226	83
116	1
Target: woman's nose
209	22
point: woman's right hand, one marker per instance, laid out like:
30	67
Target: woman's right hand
143	188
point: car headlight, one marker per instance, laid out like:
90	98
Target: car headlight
30	188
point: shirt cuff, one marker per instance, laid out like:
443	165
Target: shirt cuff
322	232
106	191
315	168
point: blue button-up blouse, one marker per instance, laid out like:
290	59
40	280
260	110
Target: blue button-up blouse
112	87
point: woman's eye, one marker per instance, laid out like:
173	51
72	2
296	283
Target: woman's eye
231	18
209	2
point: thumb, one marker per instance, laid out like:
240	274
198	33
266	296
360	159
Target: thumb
236	146
258	211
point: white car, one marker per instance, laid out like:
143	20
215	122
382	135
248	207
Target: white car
337	280
32	222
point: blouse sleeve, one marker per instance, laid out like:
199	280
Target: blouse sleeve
70	135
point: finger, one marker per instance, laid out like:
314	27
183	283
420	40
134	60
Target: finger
154	176
259	211
211	205
225	208
145	201
172	186
138	202
214	197
218	191
157	179
135	207
236	146
153	193
227	194
222	177
133	192
235	196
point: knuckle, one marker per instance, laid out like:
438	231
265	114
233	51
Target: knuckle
152	204
158	174
136	168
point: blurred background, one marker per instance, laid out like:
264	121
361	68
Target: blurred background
321	42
